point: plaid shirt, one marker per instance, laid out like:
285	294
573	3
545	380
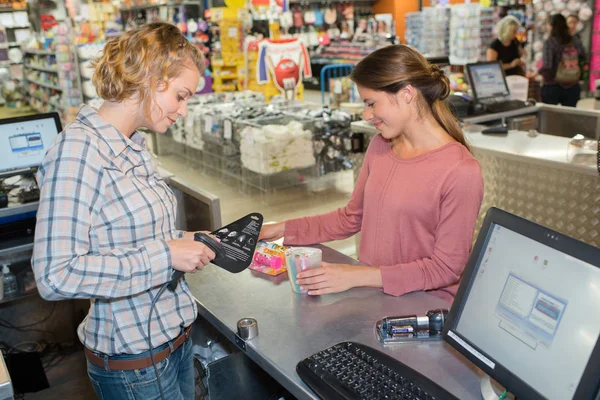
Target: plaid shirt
103	223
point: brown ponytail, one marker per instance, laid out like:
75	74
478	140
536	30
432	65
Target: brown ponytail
392	68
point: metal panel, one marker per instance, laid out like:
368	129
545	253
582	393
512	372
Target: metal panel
567	124
563	200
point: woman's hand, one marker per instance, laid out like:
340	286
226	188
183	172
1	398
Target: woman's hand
517	62
189	255
272	232
335	278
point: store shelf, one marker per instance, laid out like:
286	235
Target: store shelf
46	85
52	70
9	9
13	44
18	27
39	52
50	103
170	4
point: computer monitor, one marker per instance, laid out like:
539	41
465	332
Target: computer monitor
527	309
25	140
487	80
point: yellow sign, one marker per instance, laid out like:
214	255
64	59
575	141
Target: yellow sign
235	3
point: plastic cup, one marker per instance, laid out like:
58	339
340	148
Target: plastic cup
300	259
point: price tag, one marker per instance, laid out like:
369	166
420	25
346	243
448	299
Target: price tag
227	129
208	123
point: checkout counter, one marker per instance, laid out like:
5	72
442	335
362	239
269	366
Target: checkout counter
533	171
293	326
526	175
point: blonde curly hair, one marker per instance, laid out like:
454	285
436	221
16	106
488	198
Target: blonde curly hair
505	25
141	62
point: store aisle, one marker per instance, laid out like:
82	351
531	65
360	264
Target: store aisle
331	193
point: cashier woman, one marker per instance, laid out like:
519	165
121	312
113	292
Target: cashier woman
106	220
418	194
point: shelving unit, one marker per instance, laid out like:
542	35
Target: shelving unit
13	21
173	12
42	96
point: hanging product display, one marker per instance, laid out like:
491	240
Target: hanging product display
543	10
283	63
435	40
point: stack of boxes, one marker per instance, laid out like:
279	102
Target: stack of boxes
228	63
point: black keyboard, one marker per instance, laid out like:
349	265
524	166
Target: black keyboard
351	370
503	106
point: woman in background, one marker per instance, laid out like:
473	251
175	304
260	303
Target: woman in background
506	48
562	57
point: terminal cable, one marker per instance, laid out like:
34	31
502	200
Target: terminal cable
149	338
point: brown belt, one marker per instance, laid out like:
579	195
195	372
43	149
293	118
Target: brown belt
139	363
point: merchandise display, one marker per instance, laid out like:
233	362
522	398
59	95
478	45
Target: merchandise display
435	39
471	28
543	9
414	29
273	145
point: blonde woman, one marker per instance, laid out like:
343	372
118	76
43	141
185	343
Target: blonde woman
106	221
506	48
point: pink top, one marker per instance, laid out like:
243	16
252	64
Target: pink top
416	217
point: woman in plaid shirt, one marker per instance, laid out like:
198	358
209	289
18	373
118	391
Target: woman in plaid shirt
106	220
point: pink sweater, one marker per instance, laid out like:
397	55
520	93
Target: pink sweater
416	217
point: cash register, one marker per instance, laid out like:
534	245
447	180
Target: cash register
23	144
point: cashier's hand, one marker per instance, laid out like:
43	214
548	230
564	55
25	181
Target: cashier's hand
189	255
517	62
335	278
190	235
272	232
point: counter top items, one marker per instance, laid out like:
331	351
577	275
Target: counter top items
406	328
357	372
300	259
304	325
234	245
269	258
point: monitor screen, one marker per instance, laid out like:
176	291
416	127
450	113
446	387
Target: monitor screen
531	309
25	140
487	80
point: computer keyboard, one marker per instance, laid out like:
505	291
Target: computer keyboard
351	370
503	106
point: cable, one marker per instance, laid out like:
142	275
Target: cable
160	292
503	395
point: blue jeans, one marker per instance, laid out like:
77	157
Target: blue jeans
176	377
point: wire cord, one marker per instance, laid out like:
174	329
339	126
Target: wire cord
160	292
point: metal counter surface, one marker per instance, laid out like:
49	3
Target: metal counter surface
293	326
549	150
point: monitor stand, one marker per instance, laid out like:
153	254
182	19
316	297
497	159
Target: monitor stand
492	390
